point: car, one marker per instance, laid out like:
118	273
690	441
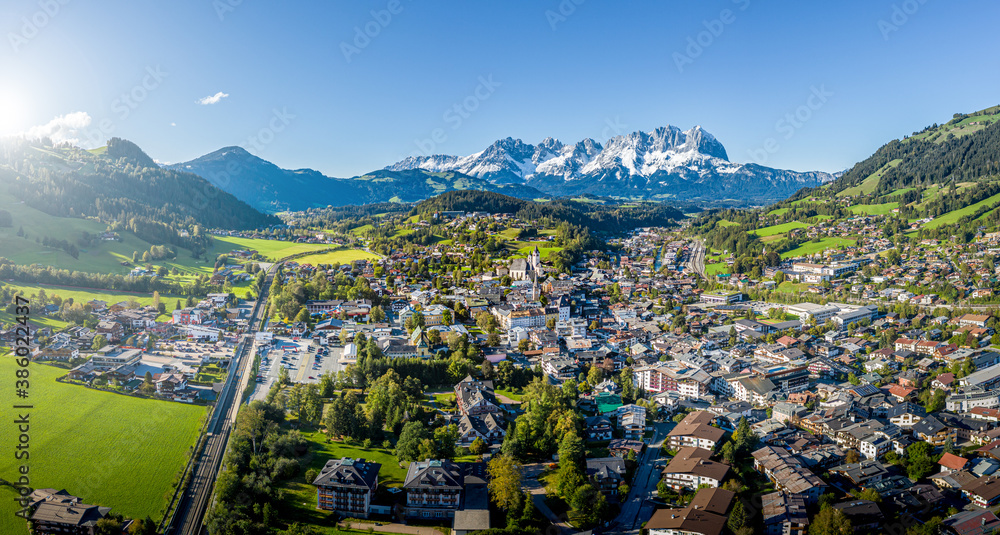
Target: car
311	377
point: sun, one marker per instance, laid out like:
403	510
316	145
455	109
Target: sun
15	111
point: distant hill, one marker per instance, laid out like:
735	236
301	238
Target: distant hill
122	187
270	188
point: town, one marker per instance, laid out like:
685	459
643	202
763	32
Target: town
442	385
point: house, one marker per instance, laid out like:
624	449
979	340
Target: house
784	514
863	514
695	430
435	488
476	397
972	523
606	474
347	486
984	492
598	428
168	383
705	515
490	427
788	473
58	512
861	474
112	331
692	467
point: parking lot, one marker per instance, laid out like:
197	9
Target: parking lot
305	361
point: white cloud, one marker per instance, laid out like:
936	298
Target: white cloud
64	128
173	124
212	99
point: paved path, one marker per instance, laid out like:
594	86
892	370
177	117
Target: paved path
395	528
537	491
637	508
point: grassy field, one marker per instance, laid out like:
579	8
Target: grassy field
340	256
811	247
715	269
108	449
955	215
874	209
868	185
727	223
780	229
270	249
544	251
778	211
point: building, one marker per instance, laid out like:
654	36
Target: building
435	488
788	473
523	269
811	311
721	297
692	468
705	515
113	356
347	486
58	512
606	474
696	431
784	514
475	397
188	316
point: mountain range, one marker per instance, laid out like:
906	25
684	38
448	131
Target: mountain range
665	164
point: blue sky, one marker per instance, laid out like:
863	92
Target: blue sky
304	91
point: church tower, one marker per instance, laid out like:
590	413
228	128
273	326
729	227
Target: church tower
535	260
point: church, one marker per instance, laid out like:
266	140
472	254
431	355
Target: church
526	269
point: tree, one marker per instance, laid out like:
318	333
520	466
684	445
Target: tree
410	438
377	314
737	516
523	345
830	521
99	342
493	340
142	526
478	446
109	526
595	375
505	482
852	456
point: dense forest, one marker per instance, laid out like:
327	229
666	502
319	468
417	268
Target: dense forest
597	217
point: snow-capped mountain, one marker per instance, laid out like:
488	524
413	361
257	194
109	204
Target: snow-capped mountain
664	163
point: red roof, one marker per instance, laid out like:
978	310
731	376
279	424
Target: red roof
952	461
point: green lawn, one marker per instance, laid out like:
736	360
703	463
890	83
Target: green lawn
874	209
778	211
727	223
509	394
340	256
109	449
80	296
525	248
715	269
780	229
955	215
811	247
868	184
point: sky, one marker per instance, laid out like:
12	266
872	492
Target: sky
350	87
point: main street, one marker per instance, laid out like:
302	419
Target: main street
194	503
637	508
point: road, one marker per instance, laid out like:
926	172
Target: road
696	259
637	508
537	491
193	504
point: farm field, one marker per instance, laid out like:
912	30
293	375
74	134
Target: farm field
542	250
874	209
81	295
727	223
811	247
955	215
778	211
715	269
270	249
780	229
341	256
134	447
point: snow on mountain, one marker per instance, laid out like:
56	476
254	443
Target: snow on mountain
667	159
